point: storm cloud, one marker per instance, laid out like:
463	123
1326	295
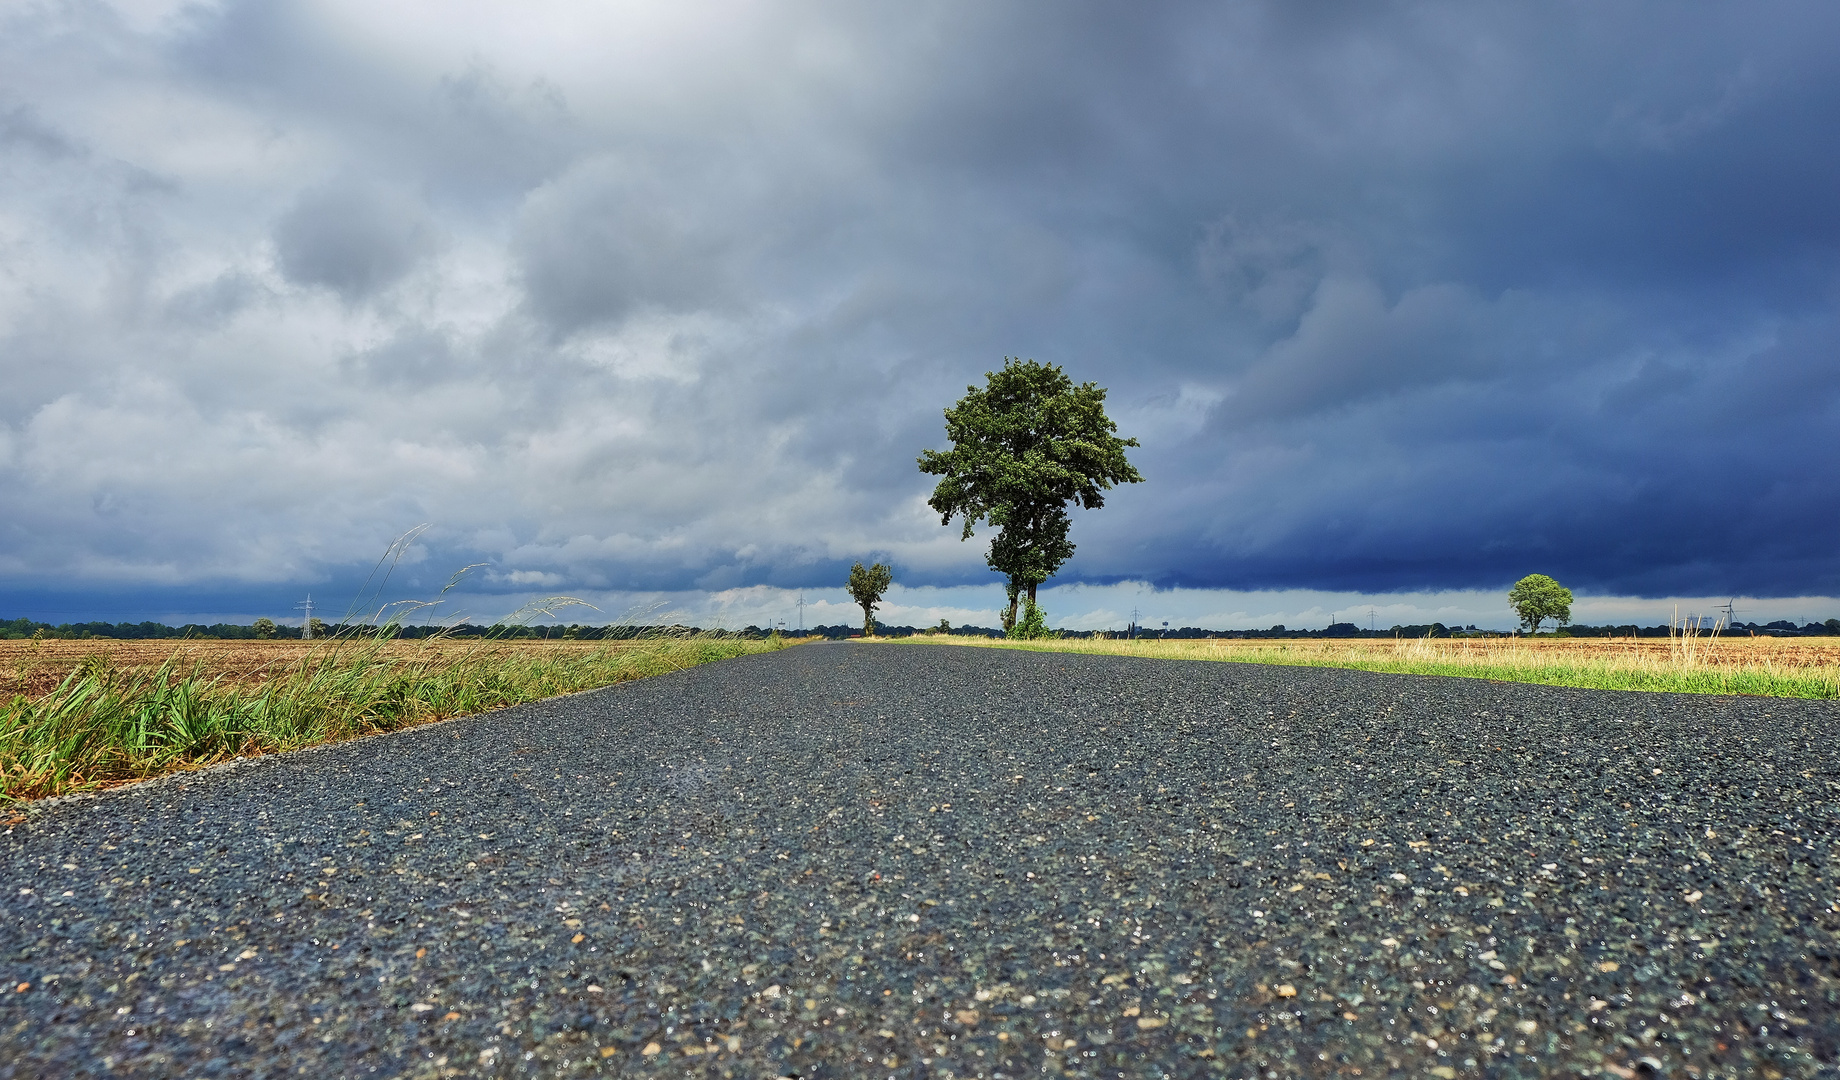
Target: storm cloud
352	241
1398	297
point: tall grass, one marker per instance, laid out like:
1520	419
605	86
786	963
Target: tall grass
1686	663
102	726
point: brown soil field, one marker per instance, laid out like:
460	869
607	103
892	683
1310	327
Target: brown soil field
34	668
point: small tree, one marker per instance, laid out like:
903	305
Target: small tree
1033	623
867	587
263	627
1024	447
1536	598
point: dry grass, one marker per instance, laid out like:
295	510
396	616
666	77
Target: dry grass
1775	667
36	668
90	714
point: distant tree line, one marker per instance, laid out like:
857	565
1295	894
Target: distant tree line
1337	630
265	628
1438	630
1779	628
26	628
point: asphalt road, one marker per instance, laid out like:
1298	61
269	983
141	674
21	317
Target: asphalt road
922	860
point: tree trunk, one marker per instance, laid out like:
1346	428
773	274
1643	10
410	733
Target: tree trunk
868	621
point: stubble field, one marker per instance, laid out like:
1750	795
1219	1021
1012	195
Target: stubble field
1774	667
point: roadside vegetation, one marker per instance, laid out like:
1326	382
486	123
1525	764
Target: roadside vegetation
1687	663
110	714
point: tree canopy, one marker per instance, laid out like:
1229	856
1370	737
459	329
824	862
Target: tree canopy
1536	598
867	587
1025	447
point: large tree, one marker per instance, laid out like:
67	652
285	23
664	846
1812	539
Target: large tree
1536	598
1024	447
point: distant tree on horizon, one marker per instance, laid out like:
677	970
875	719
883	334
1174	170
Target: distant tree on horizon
867	587
1025	446
263	627
1536	598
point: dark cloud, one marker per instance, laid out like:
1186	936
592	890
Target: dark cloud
613	236
22	130
353	240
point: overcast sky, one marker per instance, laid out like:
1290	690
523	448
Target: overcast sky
663	300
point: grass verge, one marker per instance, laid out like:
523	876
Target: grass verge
102	726
1686	666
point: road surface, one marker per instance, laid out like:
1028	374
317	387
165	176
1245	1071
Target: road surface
923	860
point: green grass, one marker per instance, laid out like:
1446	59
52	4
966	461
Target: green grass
101	727
1733	669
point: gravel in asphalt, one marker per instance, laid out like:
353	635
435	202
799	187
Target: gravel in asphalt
914	860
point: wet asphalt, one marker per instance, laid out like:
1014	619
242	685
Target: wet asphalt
916	860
